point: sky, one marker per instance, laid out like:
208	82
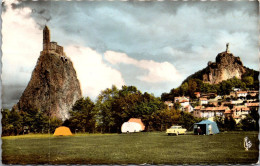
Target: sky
153	45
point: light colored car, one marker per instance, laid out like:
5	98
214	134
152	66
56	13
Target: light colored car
176	130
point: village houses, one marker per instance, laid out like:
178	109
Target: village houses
209	112
209	105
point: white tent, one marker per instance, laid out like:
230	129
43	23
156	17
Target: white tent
130	127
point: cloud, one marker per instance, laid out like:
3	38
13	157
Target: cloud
143	29
157	71
93	73
21	47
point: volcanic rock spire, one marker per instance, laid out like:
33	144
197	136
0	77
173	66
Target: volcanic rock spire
54	86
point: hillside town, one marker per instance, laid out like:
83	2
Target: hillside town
238	104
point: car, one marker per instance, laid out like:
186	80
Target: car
176	130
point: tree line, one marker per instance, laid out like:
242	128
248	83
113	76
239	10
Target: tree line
116	106
112	108
31	120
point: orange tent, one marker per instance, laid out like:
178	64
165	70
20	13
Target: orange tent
60	131
136	120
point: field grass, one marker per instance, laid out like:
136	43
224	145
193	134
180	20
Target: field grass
137	148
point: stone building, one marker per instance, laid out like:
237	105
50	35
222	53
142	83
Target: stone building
48	46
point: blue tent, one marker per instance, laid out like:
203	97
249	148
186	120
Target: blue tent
206	127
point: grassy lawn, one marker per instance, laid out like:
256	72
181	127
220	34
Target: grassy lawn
137	148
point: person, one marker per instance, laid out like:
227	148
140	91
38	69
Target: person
199	131
210	129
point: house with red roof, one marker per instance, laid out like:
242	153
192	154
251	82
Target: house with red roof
253	106
169	104
209	112
197	94
182	99
238	113
241	93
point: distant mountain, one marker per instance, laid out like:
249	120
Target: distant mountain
227	66
54	86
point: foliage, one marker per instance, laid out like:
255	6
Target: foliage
35	120
54	123
83	116
220	122
230	123
192	85
163	119
118	106
248	80
227	123
11	122
187	120
251	121
29	120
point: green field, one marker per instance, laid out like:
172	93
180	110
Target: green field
137	148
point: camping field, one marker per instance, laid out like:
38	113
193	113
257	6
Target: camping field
136	148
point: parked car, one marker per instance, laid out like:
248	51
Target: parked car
176	130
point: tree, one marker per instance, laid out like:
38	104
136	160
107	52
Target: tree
54	123
251	121
83	115
105	116
35	120
249	80
187	120
220	122
230	123
163	119
184	88
192	87
166	97
5	122
14	122
41	123
11	122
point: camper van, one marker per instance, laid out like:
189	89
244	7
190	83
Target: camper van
131	127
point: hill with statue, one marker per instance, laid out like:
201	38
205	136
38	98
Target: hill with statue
226	66
220	77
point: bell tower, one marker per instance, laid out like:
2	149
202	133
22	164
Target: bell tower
46	38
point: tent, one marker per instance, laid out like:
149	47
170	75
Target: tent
206	127
61	131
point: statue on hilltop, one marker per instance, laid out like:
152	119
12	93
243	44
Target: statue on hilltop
227	48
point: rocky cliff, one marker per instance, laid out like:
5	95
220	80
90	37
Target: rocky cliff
226	66
53	87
